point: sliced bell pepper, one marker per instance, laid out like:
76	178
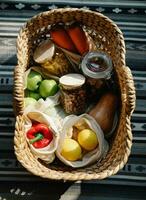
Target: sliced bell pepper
61	38
39	135
78	37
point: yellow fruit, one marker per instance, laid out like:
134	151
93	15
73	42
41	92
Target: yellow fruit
81	124
87	139
71	150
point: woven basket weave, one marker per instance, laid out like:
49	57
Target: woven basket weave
109	38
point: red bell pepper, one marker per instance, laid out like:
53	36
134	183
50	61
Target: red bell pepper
78	37
39	135
62	39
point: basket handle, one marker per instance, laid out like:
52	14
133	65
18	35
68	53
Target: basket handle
130	89
18	92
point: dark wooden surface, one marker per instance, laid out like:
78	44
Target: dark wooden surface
15	181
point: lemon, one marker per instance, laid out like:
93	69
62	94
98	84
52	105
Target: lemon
87	139
71	150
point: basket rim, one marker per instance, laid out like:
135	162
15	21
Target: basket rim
64	10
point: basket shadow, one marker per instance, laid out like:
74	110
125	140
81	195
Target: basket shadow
56	190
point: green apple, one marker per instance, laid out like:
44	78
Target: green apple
32	94
33	80
29	101
48	88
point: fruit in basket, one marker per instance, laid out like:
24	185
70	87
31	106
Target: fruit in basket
29	101
74	133
104	111
71	150
87	139
81	124
61	38
48	88
32	94
79	38
33	80
39	135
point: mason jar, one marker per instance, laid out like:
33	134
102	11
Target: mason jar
73	93
97	68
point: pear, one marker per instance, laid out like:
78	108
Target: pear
104	111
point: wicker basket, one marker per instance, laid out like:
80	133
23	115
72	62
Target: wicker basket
109	39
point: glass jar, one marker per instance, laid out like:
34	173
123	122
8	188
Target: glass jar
73	93
97	65
51	59
97	68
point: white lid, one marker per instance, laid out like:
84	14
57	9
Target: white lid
44	51
72	80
